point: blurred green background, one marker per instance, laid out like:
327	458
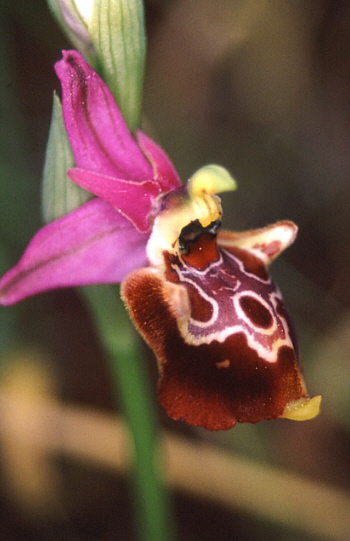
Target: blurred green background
263	88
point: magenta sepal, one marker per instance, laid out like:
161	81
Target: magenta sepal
94	244
98	134
128	174
132	199
163	170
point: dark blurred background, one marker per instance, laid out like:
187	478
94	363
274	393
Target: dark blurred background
263	88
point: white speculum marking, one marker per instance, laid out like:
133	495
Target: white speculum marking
218	327
241	266
236	298
212	302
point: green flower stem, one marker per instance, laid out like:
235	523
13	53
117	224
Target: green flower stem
153	510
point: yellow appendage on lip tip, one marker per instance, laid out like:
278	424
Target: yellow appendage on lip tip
303	409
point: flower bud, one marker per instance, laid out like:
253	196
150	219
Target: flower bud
111	36
74	17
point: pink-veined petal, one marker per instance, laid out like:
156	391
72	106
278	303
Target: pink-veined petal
266	243
164	171
97	132
94	244
132	199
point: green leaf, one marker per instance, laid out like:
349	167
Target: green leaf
118	36
59	194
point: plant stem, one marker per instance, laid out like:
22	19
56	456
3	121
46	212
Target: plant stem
130	379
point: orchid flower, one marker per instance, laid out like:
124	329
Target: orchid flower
202	298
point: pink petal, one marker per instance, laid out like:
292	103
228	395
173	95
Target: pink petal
266	243
132	199
99	137
94	244
163	170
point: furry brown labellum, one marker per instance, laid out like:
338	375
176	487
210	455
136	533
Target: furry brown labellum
216	322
